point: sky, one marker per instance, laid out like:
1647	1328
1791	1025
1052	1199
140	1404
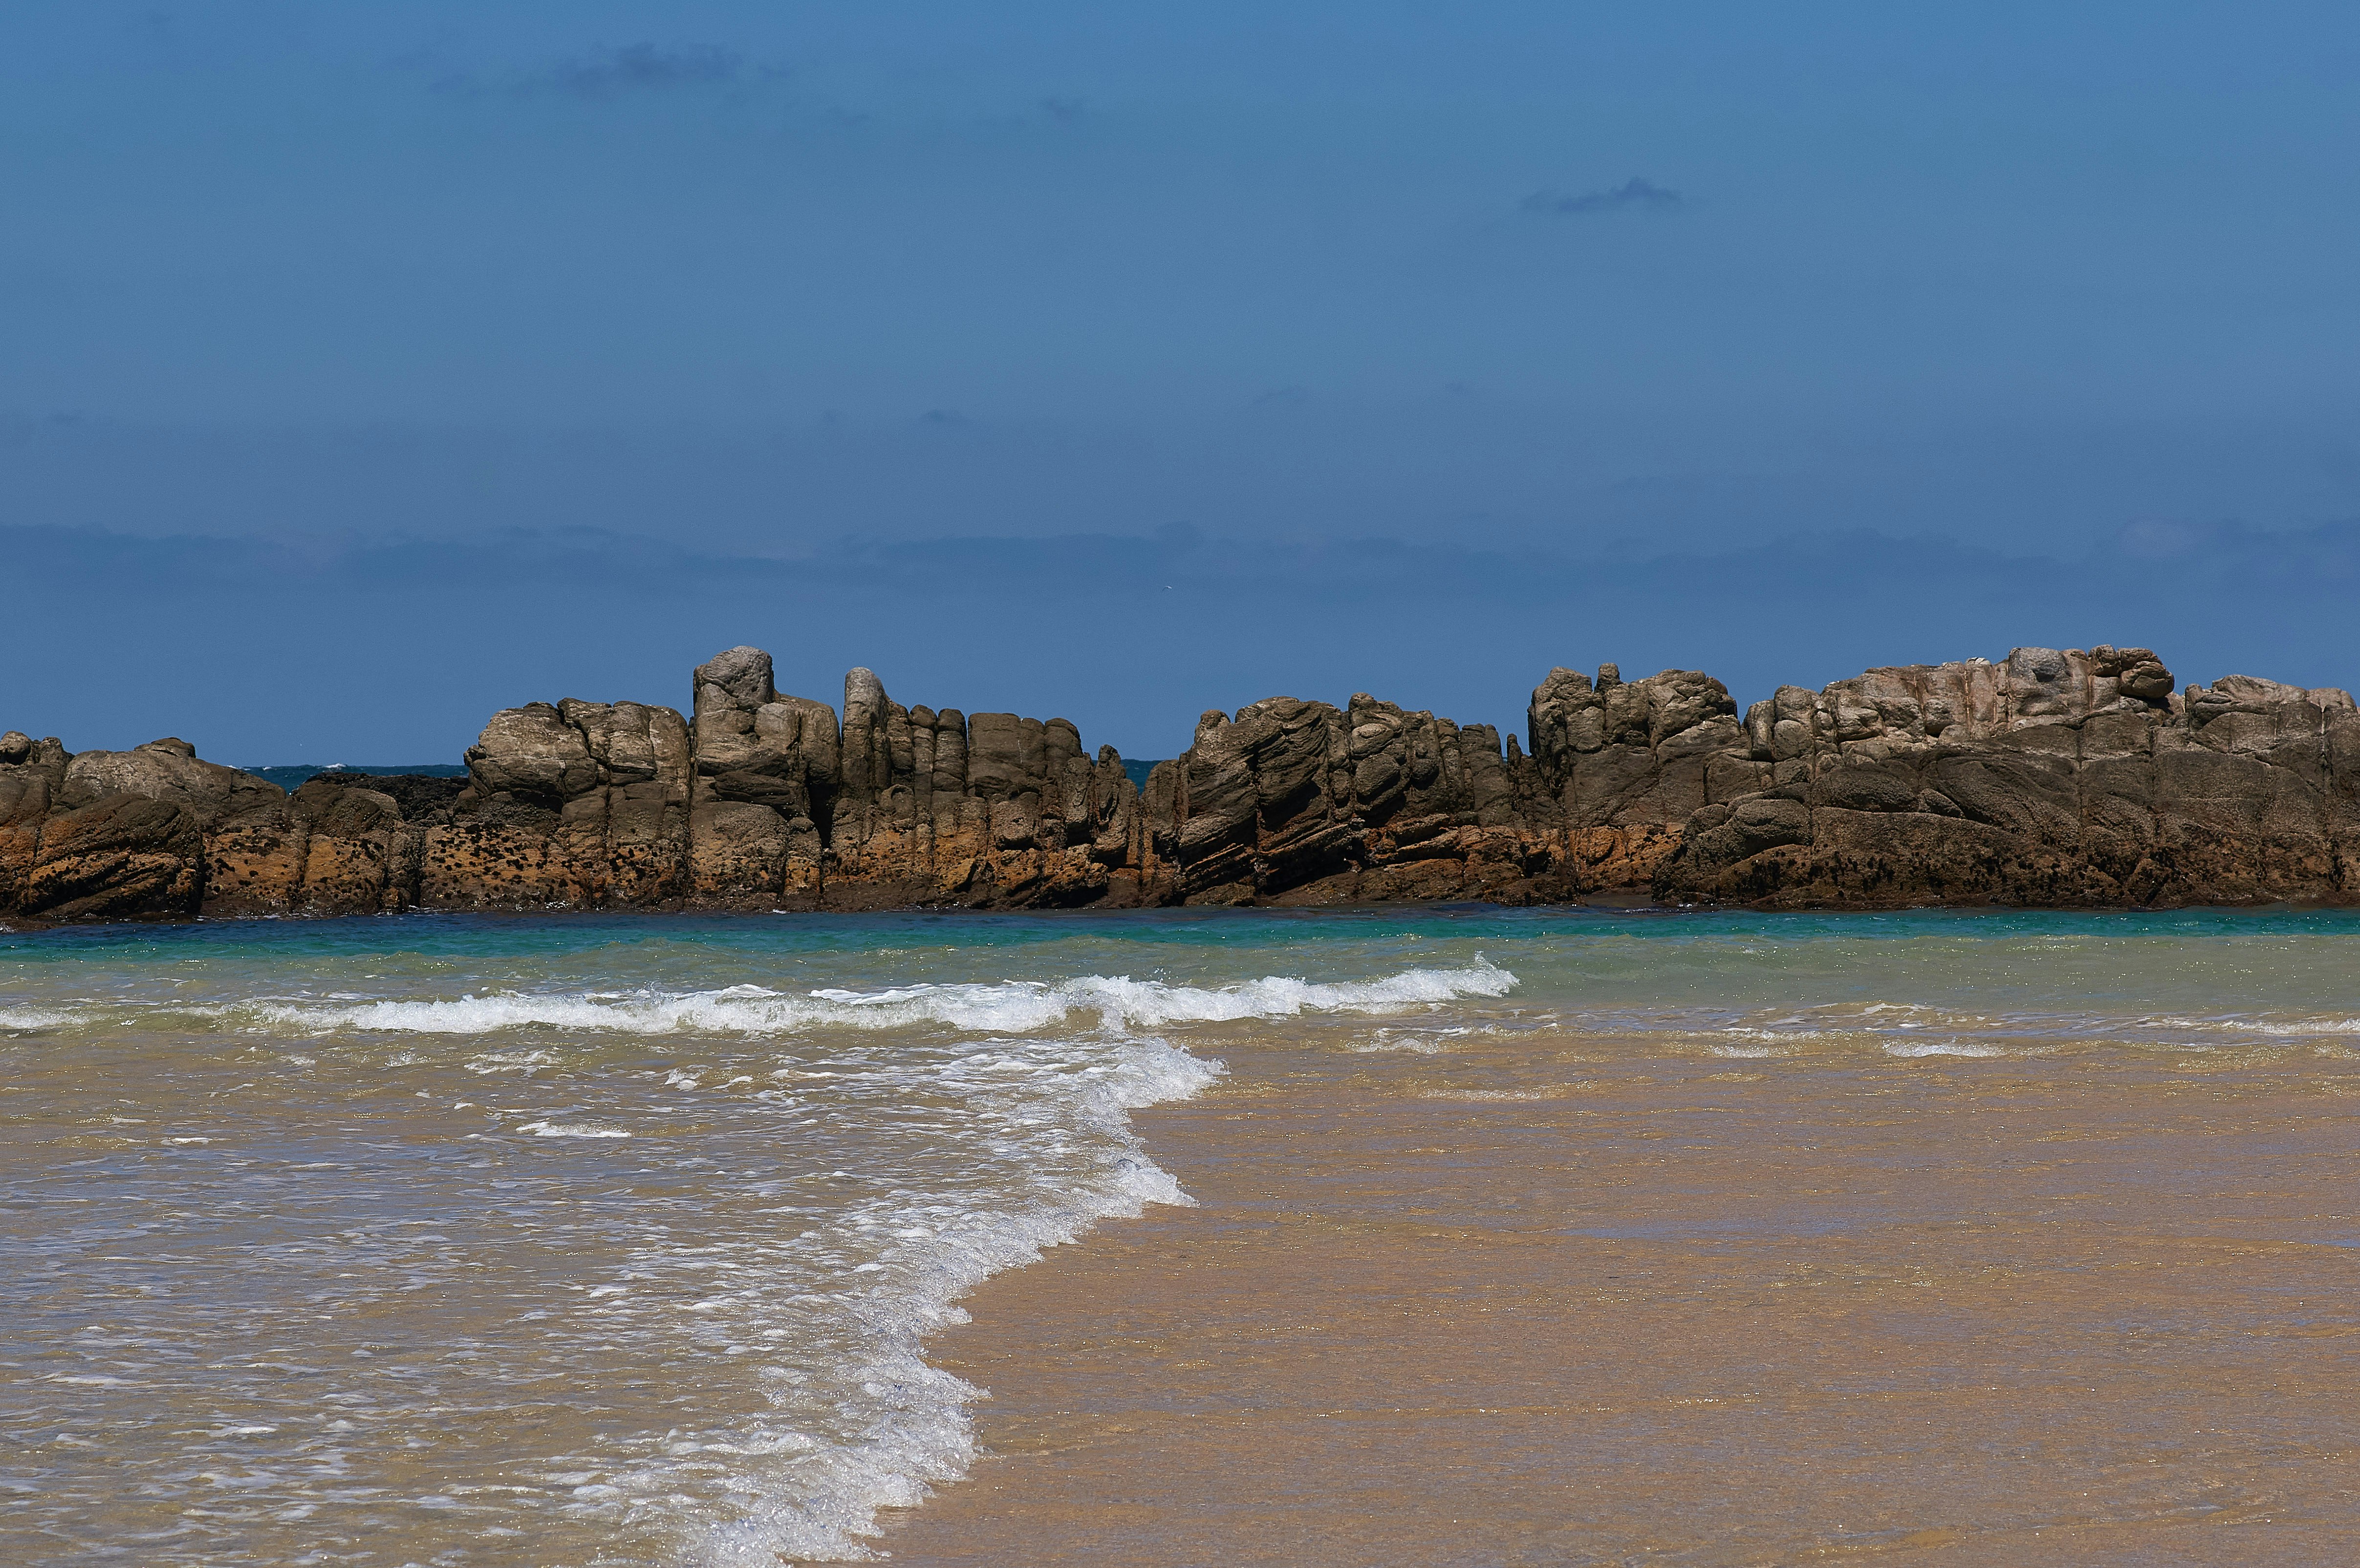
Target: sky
366	369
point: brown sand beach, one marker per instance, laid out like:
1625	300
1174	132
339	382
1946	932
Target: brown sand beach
1517	1237
1544	1301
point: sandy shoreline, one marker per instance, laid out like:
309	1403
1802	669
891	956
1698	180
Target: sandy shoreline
1542	1301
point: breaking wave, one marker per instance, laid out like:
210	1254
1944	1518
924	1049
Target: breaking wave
1016	1006
820	1503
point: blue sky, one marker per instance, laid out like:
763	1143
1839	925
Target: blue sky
363	369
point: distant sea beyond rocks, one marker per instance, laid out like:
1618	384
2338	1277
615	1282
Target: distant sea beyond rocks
294	776
2067	778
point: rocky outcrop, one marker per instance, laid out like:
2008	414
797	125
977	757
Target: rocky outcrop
114	834
898	806
572	805
759	800
1301	803
2053	777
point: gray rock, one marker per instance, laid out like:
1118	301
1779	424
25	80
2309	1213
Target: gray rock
169	770
2052	777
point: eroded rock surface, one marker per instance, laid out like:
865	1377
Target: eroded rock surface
896	806
2052	777
2056	776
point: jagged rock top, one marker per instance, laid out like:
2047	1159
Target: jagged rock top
1571	716
1962	701
2049	776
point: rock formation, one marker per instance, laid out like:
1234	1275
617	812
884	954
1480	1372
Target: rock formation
760	801
2068	778
2071	778
896	806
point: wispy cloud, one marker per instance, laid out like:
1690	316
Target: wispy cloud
643	67
609	72
1644	195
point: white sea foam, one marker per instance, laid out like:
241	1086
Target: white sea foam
820	1501
883	1178
1019	1007
1430	1044
1942	1048
570	1130
2288	1027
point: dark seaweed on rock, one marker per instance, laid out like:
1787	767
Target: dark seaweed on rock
2067	778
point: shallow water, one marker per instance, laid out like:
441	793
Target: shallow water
617	1240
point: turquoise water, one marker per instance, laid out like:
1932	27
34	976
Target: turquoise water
610	1239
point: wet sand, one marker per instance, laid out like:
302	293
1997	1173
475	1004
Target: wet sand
1545	1301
